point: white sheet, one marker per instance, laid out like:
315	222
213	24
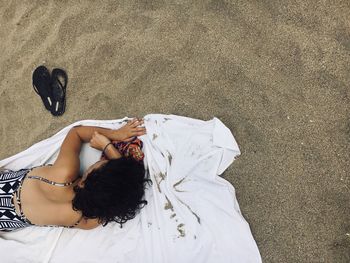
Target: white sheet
192	214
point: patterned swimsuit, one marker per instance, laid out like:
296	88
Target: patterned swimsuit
11	183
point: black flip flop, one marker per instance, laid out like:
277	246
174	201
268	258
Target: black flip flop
59	80
41	84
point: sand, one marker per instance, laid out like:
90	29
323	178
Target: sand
277	74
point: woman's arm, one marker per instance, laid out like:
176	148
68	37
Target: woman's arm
85	133
126	132
68	162
112	153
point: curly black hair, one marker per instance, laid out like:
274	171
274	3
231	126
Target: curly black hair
112	192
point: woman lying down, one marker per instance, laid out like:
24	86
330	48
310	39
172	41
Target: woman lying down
112	189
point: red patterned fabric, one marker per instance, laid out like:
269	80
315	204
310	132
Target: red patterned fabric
128	149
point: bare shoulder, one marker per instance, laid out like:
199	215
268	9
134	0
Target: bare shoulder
55	174
88	224
67	217
62	172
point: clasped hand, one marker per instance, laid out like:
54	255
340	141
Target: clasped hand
125	133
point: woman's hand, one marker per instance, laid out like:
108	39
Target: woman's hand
130	130
99	141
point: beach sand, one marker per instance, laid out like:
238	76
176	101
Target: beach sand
277	74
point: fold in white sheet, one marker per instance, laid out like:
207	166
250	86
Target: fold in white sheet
192	213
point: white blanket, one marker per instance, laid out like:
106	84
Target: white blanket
192	213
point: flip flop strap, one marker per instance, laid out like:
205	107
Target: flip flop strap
64	75
35	89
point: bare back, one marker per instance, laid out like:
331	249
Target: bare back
46	204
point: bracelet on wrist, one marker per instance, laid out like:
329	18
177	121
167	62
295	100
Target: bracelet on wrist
106	147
